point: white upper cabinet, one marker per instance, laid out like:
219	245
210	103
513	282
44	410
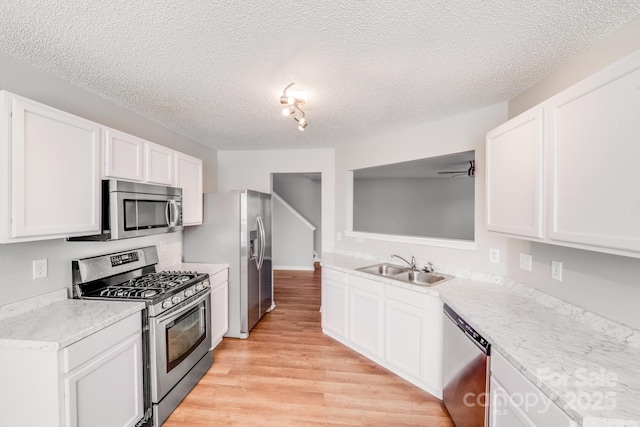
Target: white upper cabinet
159	168
51	164
50	175
123	156
589	145
189	178
514	176
593	139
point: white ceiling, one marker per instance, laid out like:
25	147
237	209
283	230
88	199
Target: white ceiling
214	70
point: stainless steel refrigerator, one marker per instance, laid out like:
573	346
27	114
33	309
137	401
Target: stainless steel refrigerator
236	230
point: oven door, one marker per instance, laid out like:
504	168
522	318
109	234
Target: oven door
178	340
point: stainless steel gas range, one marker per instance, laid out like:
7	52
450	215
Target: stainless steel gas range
176	327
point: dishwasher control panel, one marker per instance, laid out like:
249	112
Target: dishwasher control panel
467	329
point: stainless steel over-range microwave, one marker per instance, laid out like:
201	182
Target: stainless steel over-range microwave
131	209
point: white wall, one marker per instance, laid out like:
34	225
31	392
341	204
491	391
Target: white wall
292	239
454	134
15	259
440	207
252	169
305	196
606	284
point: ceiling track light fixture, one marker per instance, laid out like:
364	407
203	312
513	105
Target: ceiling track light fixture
293	100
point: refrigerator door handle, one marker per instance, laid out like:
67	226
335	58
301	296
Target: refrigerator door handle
261	240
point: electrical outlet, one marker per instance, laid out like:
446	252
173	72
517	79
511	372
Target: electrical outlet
494	255
525	262
163	246
556	270
338	236
39	268
360	239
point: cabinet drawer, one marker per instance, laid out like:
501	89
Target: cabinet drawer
88	348
368	285
219	278
336	276
536	405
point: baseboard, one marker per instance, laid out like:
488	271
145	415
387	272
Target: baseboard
297	267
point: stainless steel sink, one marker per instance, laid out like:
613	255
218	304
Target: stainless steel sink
407	275
419	277
383	269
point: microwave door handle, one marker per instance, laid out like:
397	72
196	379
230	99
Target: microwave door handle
173	210
167	213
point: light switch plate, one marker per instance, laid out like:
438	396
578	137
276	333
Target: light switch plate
525	262
360	239
338	236
494	255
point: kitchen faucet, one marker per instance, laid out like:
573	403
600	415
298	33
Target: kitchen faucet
411	264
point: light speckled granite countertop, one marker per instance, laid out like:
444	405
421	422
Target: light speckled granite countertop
52	321
589	366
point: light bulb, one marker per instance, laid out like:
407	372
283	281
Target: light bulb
300	128
288	111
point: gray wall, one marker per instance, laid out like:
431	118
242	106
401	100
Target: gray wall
15	259
304	195
606	284
426	207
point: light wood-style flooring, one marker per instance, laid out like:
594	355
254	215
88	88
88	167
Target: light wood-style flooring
288	373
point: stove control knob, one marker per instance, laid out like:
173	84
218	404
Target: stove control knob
188	293
166	304
175	299
199	287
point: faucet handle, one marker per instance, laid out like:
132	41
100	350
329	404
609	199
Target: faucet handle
428	268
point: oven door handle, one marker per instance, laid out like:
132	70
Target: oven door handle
181	309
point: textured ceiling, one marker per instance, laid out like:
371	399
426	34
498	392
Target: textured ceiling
214	70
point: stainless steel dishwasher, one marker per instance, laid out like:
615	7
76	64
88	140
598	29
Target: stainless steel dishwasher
465	371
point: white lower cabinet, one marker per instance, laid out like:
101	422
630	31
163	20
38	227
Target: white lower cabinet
219	306
399	328
405	328
517	402
96	381
334	303
366	314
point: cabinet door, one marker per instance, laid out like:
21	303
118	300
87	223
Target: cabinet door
515	176
503	412
123	156
55	180
219	307
159	164
334	308
405	338
107	391
593	134
366	314
189	178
